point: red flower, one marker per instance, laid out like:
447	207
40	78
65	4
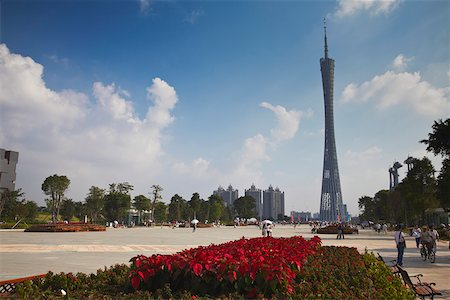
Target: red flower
197	269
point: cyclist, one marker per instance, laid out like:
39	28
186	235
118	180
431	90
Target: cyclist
426	240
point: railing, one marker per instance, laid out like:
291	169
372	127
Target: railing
8	286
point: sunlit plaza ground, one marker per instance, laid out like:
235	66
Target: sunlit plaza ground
25	254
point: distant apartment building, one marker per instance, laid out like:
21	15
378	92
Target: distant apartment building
256	194
8	162
301	216
229	195
273	203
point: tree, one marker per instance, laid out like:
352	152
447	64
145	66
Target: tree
68	209
216	207
160	212
10	201
176	207
117	202
418	190
141	203
95	202
55	186
443	184
195	204
16	207
156	193
438	141
245	207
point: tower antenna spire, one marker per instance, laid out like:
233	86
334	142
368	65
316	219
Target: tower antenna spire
325	32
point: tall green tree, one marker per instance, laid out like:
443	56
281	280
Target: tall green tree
117	202
16	207
443	184
160	212
216	207
195	204
68	209
156	196
95	202
176	207
141	203
438	142
245	207
55	186
418	190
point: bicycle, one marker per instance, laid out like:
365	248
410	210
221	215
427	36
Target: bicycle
428	253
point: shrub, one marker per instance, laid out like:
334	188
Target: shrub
287	268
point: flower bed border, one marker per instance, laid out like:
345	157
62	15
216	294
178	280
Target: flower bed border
62	227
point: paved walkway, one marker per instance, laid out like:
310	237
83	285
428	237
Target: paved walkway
25	254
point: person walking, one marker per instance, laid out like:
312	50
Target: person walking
416	233
401	244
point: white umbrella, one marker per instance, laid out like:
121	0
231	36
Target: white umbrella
266	222
195	221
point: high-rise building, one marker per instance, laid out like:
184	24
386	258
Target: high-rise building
228	195
256	194
8	162
331	208
273	203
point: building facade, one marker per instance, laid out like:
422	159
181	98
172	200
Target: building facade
273	203
301	216
229	195
8	162
256	194
331	208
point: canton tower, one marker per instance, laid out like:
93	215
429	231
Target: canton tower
331	208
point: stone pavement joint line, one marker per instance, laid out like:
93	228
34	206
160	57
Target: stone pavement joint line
27	248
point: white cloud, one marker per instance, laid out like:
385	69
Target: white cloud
193	16
288	121
400	62
390	89
111	99
368	154
375	7
60	60
198	168
62	132
144	6
164	98
27	104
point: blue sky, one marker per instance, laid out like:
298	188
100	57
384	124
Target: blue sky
193	95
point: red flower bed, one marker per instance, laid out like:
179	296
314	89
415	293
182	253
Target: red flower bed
251	267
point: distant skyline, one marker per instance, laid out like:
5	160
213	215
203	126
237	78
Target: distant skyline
191	95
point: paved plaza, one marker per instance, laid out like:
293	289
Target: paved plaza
25	254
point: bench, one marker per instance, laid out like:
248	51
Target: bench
421	289
8	286
392	264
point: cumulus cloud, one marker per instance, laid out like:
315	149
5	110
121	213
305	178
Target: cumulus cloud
27	103
375	7
164	98
92	142
408	89
400	62
144	6
193	16
198	167
287	121
368	154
